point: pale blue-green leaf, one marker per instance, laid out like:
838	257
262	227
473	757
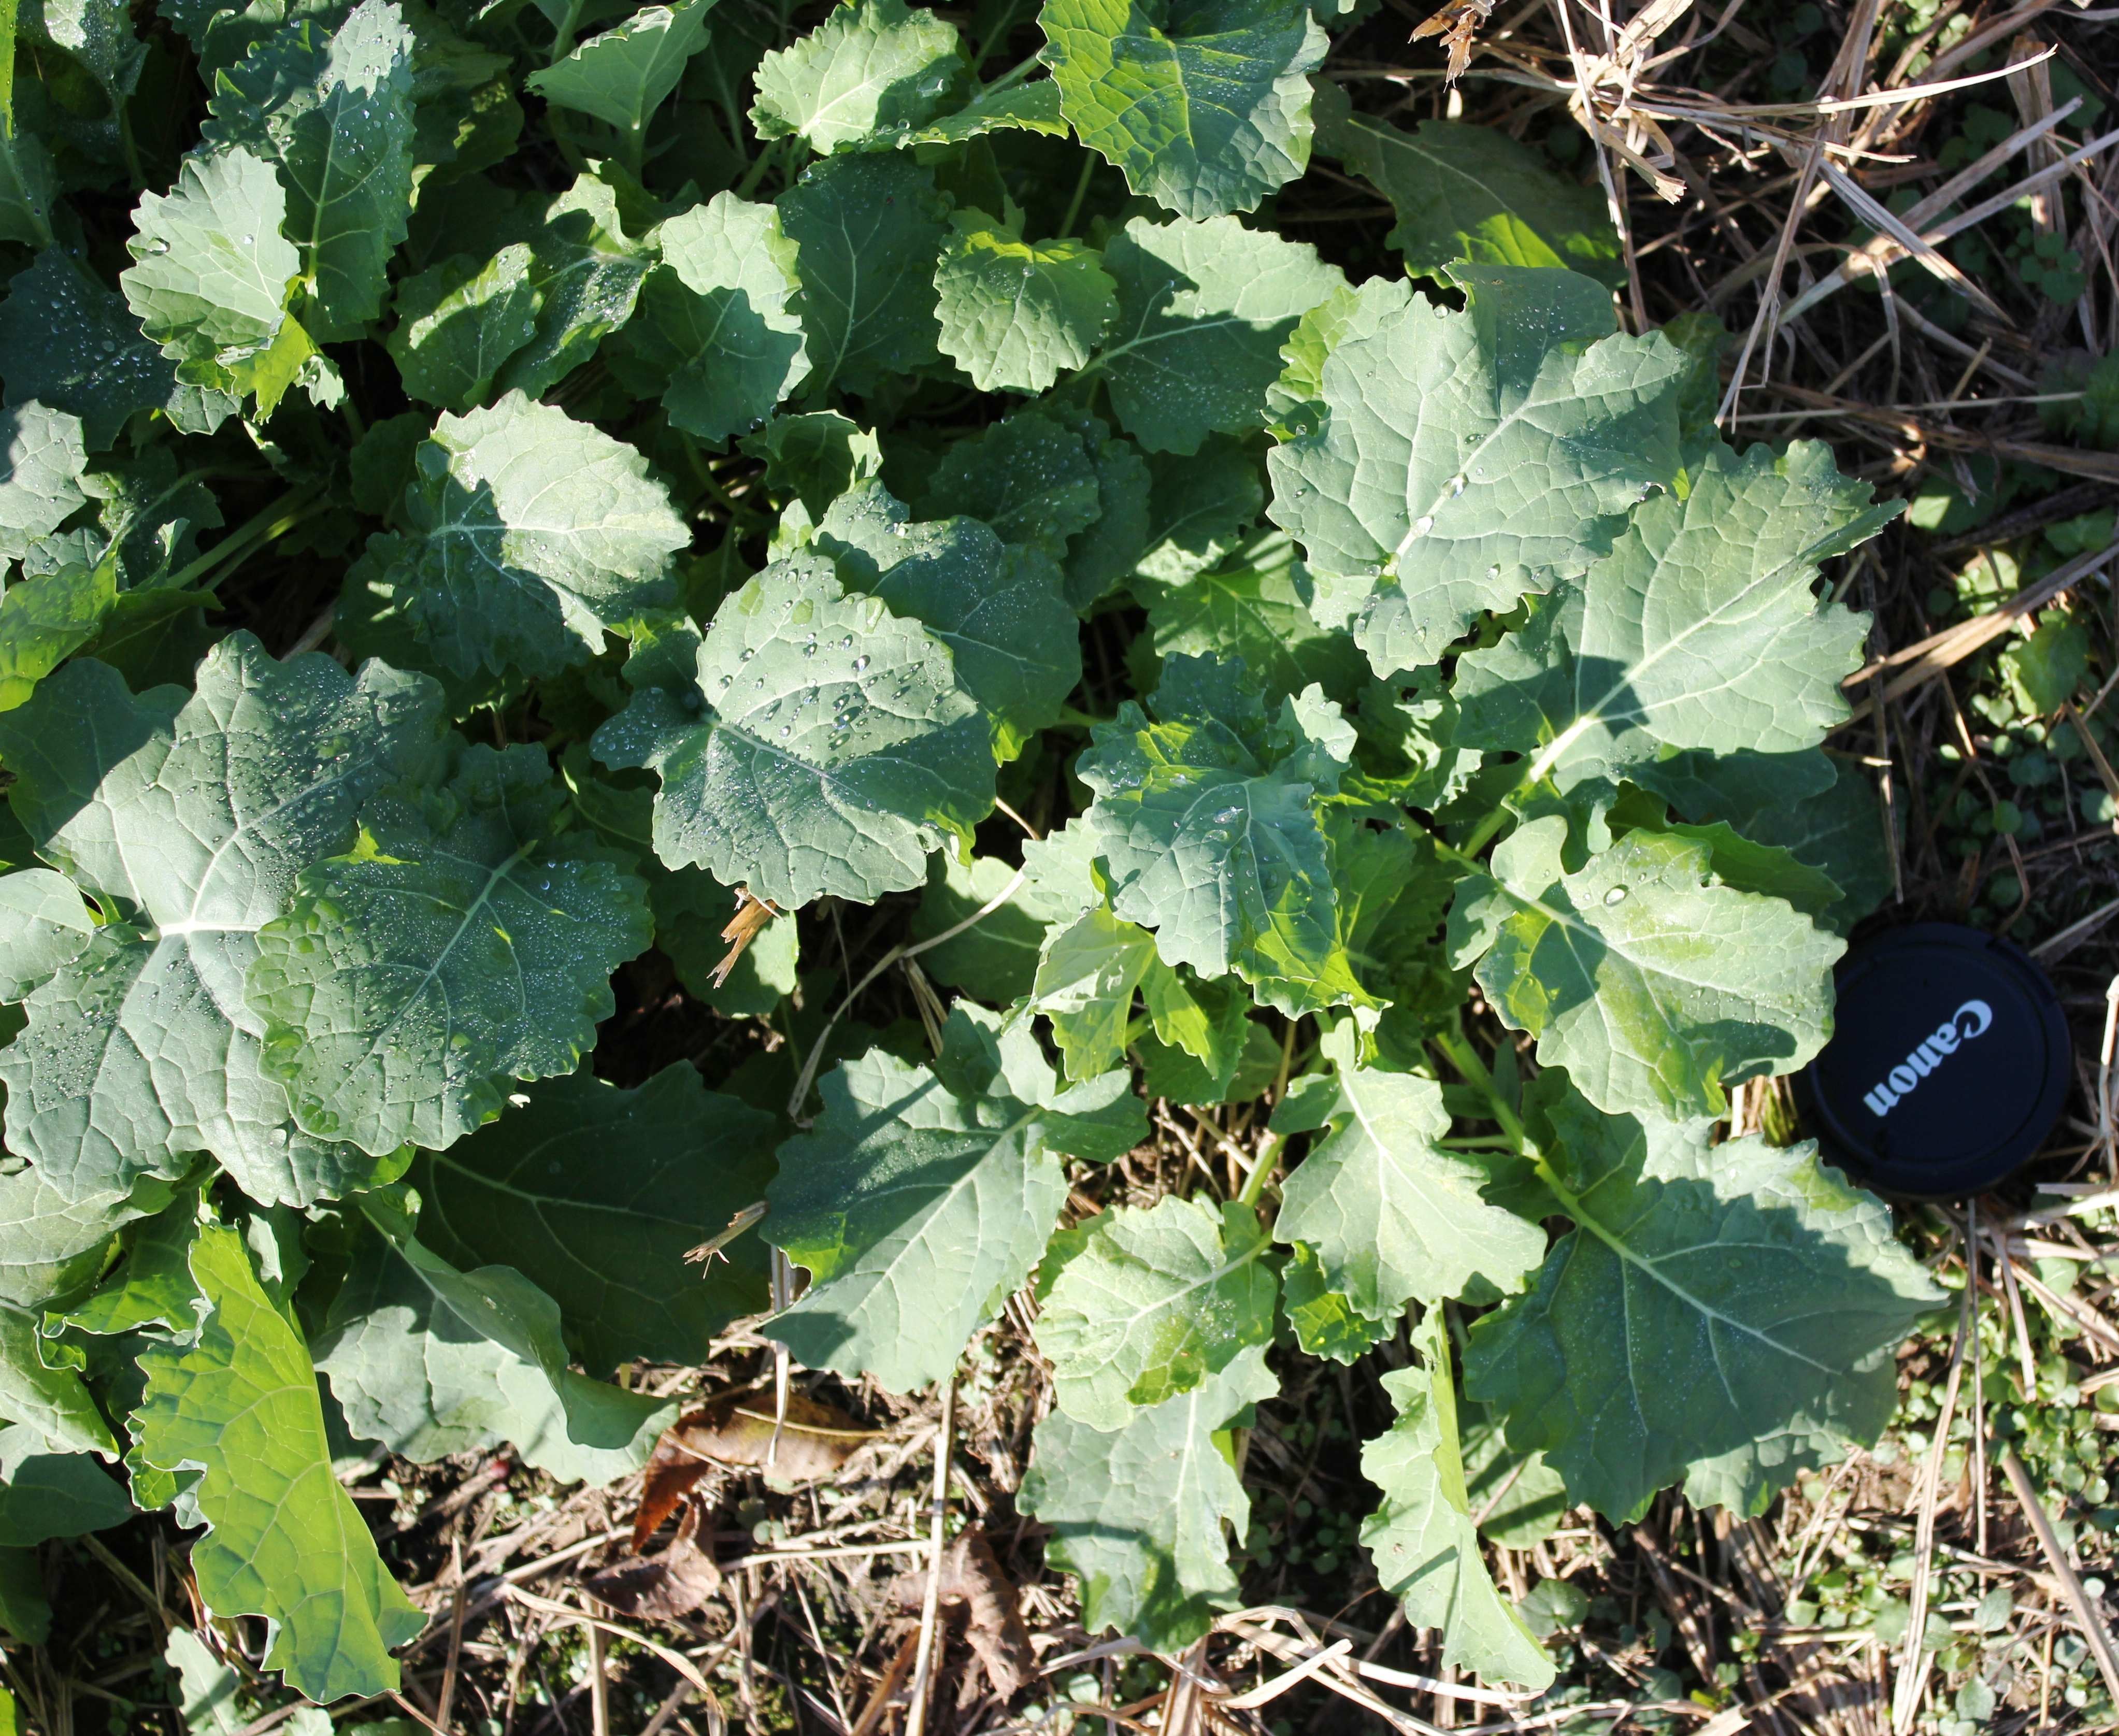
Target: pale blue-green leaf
44	926
39	474
871	72
623	74
1016	314
210	269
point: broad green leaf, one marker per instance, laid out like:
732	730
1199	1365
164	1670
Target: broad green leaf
1016	314
1422	1539
717	335
1206	112
531	533
431	1361
827	745
1724	1314
999	610
1087	973
286	1542
1764	868
623	74
153	1286
46	616
1655	985
25	1612
1326	1321
1699	630
595	1195
996	958
459	321
39	474
210	270
1394	1216
465	941
29	183
1839	833
1472	195
1033	107
817	457
51	1400
586	274
1199	505
1519	1499
871	73
1144	1305
866	230
1206	814
1255	607
333	110
44	928
197	812
1138	1514
69	343
47	1493
99	37
1449	462
1101	554
52	1247
1029	477
1202	311
923	1196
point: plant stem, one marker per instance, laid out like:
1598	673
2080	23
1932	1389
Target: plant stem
766	160
274	522
1081	192
1466	1060
1261	1171
1015	75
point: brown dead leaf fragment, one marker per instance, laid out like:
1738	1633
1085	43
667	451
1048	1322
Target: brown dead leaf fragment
674	1583
1457	23
751	915
737	1430
973	1577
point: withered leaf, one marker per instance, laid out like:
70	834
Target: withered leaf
674	1583
737	1430
973	1577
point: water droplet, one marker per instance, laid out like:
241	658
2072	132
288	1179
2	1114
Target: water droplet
1457	485
846	644
1424	523
749	651
1617	895
1494	571
785	730
859	663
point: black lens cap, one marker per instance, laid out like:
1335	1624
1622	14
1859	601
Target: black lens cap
1948	1064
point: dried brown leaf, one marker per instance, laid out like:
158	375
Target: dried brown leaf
817	1440
973	1577
674	1583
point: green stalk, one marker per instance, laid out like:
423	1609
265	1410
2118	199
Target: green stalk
7	8
1015	75
274	522
1254	1183
1074	204
1466	1060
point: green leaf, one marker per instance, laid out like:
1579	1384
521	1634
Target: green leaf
623	74
24	1610
999	610
587	274
39	474
69	343
1138	1514
1423	1541
1087	973
1029	476
1838	832
46	616
995	959
717	332
1255	607
1206	816
1199	505
96	35
1445	463
1033	107
44	928
1726	1315
432	1361
1700	629
459	321
1519	1499
1206	112
1016	314
51	1400
197	812
29	183
1326	1321
154	1286
286	1542
333	110
210	270
1472	195
595	1195
817	457
1392	1216
45	1494
1202	311
1653	984
923	1196
827	745
531	533
866	231
1144	1305
465	941
871	72
52	1248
